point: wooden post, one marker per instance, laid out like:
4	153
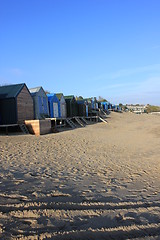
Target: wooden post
6	130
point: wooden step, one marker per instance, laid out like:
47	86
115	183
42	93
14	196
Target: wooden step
103	112
84	120
70	123
79	122
24	128
101	119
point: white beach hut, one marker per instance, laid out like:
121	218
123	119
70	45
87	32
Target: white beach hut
63	108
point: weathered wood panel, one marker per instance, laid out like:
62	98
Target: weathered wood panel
45	126
63	110
33	126
25	109
39	127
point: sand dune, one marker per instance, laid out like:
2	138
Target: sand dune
97	182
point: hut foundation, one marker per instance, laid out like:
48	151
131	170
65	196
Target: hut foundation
38	127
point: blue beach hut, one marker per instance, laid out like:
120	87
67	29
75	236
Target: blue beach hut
54	105
104	105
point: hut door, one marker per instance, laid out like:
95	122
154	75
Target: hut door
87	110
55	110
63	112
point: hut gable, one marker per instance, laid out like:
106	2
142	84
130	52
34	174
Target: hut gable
59	96
41	109
24	105
16	104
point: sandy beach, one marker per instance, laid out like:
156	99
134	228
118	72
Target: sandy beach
97	182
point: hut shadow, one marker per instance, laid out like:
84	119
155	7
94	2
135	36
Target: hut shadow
11	131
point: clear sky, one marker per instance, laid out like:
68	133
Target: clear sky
108	48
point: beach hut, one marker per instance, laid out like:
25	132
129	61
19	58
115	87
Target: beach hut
89	104
82	107
72	106
63	107
16	104
54	105
99	105
113	107
94	103
104	105
118	108
109	105
40	100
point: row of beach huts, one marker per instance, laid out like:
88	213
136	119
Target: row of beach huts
37	110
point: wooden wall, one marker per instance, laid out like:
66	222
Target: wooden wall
24	106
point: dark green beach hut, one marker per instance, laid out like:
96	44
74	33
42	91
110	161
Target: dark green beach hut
72	106
82	107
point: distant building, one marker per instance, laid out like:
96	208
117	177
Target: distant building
136	108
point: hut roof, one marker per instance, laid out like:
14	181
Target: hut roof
69	97
87	100
10	91
52	96
34	90
104	102
59	95
82	101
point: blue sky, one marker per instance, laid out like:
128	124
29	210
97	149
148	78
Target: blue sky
108	48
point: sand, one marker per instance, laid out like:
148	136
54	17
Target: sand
97	182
